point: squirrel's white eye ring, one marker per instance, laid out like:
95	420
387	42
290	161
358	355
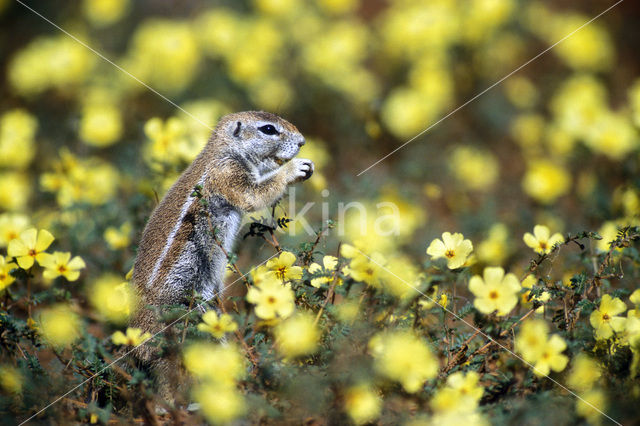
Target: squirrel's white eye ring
269	129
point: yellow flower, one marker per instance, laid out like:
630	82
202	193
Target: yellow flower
17	132
400	277
608	231
635	298
536	348
58	264
362	268
30	246
406	112
273	93
377	229
466	384
347	312
217	326
219	404
521	92
11	225
328	267
443	301
632	331
199	358
594	398
282	267
90	180
590	49
545	181
16	190
430	298
217	30
496	292
362	404
411	29
541	241
613	135
101	125
495	249
452	247
164	53
456	418
584	374
10	379
113	298
578	104
474	168
272	299
118	238
105	12
528	282
527	130
297	336
551	356
59	325
49	62
403	357
166	140
461	394
605	319
134	337
5	277
531	339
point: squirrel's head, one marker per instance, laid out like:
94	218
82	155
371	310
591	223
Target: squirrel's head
261	135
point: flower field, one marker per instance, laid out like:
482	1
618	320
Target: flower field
465	253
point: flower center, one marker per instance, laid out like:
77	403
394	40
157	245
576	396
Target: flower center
271	300
62	269
33	252
369	271
2	276
543	245
493	294
605	317
281	272
449	253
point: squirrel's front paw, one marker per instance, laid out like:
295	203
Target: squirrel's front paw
302	169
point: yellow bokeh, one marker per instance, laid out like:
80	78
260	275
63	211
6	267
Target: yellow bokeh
59	325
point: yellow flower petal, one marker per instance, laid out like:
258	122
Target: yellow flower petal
17	248
76	263
25	262
44	240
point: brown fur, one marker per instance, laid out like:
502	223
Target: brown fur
228	178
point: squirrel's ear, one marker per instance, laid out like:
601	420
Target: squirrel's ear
236	132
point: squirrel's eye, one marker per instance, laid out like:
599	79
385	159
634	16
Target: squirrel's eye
269	129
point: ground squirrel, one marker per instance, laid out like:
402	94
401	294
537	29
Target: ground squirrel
245	166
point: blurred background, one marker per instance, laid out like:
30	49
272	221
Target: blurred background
86	150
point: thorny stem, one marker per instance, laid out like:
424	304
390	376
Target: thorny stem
309	253
502	334
331	288
459	357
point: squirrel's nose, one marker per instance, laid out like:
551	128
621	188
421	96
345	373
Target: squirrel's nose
301	141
